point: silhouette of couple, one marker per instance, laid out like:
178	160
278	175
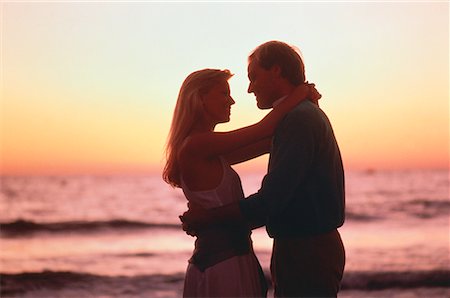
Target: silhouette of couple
301	201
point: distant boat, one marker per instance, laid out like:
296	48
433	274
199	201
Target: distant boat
370	171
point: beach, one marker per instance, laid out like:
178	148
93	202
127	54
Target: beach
113	236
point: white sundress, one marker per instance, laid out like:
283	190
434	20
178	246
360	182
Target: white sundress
236	275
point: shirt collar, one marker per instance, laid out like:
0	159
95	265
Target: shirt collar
279	100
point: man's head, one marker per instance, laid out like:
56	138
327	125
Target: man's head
274	68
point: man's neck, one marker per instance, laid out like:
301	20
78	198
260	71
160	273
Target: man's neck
285	92
279	100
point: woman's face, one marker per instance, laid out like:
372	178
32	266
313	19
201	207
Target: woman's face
217	103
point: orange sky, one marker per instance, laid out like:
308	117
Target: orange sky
89	88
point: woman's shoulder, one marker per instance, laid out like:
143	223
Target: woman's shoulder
191	152
191	144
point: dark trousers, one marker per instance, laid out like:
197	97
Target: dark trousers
308	267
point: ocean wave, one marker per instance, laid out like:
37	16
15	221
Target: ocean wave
421	209
25	227
98	285
364	217
387	280
426	208
14	284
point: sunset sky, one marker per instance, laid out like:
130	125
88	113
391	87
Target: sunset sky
89	87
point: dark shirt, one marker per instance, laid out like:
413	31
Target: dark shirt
303	192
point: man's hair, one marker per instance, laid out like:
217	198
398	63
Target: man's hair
285	56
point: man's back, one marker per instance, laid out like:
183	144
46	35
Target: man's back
305	143
303	192
305	184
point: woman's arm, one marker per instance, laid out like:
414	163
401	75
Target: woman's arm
263	146
222	143
249	152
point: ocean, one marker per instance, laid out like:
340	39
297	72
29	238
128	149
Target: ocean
113	236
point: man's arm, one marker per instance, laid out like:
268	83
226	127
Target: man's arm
196	217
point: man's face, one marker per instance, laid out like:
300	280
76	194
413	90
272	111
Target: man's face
262	85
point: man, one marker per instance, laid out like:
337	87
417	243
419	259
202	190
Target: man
301	200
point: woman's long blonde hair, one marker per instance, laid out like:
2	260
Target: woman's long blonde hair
188	110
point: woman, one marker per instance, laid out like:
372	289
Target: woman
198	161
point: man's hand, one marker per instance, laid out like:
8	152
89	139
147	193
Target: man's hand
194	219
197	218
186	227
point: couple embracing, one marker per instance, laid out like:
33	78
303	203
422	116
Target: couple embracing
301	200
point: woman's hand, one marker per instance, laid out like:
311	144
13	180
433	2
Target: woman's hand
313	95
300	93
